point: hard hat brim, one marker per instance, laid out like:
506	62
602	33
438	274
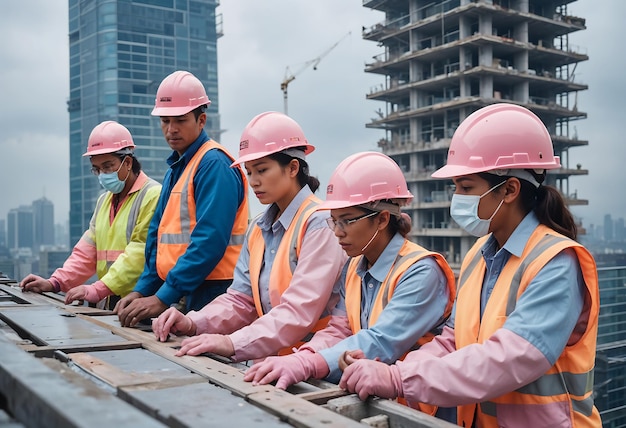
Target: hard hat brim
258	155
335	205
175	111
106	151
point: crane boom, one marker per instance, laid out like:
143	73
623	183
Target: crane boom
290	76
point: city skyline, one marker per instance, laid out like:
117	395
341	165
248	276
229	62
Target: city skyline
329	102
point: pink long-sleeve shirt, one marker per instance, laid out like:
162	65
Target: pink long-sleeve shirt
81	264
310	295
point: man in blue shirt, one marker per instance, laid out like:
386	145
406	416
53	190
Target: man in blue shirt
198	226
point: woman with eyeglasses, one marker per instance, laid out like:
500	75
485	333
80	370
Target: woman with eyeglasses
395	295
282	288
113	246
519	349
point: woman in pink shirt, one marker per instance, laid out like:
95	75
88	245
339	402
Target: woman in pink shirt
113	246
283	285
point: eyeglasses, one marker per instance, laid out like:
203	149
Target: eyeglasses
108	168
341	224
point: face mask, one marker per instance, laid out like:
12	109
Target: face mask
110	181
464	210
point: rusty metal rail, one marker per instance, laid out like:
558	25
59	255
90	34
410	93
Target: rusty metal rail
75	366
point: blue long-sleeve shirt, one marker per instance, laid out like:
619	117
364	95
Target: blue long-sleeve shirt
417	306
546	313
218	192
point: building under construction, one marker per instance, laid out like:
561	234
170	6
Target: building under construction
444	59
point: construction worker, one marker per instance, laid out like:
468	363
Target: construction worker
113	246
197	230
283	285
519	348
394	293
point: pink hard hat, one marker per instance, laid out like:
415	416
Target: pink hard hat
499	137
178	94
109	137
268	133
366	177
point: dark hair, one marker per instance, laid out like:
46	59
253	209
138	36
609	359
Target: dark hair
546	201
397	224
199	110
401	224
136	165
303	173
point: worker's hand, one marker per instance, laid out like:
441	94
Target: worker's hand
348	357
172	321
82	292
215	343
288	369
369	377
77	293
138	309
36	284
125	301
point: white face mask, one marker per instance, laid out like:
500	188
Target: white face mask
464	210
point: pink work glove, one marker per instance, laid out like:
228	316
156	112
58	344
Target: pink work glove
369	377
288	369
91	293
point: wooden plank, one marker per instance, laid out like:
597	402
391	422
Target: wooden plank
399	416
226	376
50	325
48	351
134	368
298	412
211	406
321	396
38	395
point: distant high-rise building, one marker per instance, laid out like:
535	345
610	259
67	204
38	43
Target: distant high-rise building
620	231
608	227
3	233
444	59
43	223
61	237
120	50
610	371
20	228
50	259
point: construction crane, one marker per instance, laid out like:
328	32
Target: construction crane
290	76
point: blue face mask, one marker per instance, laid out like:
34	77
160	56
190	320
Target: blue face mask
111	182
464	210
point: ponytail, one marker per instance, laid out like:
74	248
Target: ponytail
551	210
401	224
303	176
546	201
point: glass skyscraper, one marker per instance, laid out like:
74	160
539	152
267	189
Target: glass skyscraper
120	50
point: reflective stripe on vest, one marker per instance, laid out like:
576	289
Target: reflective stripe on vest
571	378
409	254
284	264
109	256
179	220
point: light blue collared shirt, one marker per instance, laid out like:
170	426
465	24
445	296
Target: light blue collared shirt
547	311
273	233
416	307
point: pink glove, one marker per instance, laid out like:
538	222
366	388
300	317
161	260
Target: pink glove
96	292
369	377
288	369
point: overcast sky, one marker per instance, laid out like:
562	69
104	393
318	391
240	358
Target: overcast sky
262	38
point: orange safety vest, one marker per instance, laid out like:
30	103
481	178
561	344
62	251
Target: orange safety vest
409	254
284	264
179	220
570	380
